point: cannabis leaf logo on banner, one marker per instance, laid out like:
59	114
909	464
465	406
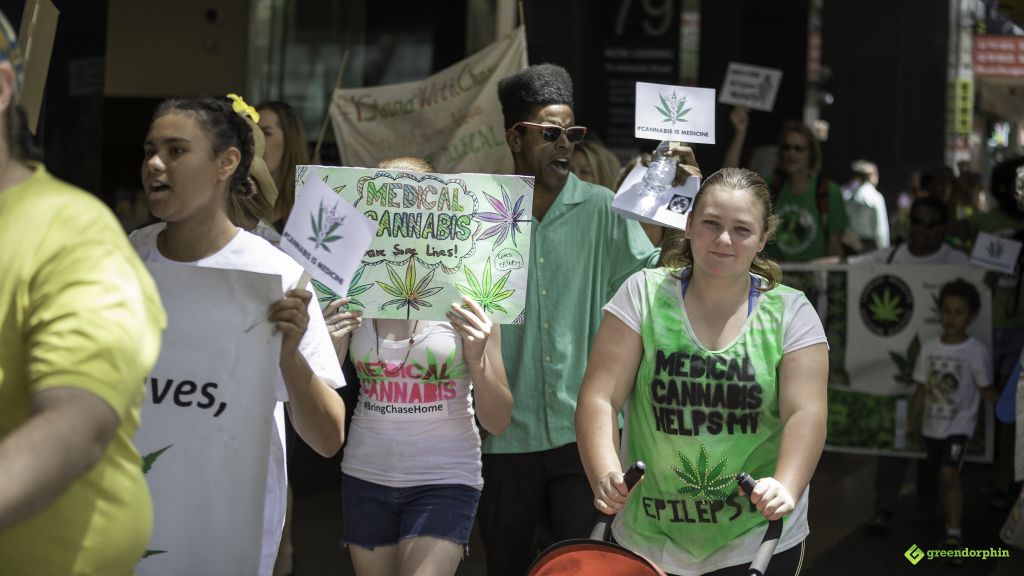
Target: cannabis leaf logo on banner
700	482
487	295
323	232
887	308
673	108
905	364
147	462
994	248
408	293
506	218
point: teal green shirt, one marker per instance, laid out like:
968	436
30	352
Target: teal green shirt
579	255
801	236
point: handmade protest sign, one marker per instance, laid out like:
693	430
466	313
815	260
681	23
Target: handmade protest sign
677	113
668	208
326	235
437	238
996	253
452	119
206	418
751	86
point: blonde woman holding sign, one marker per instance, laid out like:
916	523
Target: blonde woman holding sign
197	159
411	476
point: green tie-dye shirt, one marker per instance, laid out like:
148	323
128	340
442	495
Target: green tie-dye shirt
698	417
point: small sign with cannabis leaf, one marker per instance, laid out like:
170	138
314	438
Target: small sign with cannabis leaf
673	108
147	463
487	295
703	483
323	232
408	293
995	248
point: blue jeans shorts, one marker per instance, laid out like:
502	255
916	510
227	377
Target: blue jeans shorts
377	515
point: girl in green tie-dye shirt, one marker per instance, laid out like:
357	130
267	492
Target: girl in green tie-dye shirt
725	371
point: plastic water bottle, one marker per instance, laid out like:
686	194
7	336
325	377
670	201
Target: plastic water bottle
660	173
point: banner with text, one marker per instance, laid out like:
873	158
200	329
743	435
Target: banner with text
877	318
206	418
437	238
452	119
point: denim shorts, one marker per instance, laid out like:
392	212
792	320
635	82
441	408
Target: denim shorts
377	515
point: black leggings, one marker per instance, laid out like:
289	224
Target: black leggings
785	563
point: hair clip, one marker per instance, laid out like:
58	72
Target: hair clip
243	109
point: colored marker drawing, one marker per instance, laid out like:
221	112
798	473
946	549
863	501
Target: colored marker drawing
506	219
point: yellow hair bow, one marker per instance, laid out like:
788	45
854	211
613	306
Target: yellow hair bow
240	107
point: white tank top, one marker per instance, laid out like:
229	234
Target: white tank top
414	421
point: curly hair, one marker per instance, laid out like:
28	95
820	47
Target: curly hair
961	288
679	253
226	129
535	87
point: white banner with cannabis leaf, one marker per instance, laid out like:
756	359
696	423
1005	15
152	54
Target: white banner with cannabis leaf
326	235
452	119
877	318
676	113
437	238
206	419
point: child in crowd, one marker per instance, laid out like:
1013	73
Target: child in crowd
952	372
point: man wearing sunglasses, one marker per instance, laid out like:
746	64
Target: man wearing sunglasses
580	251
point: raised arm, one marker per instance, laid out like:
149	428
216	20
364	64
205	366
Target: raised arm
740	117
317	412
481	348
607	384
803	380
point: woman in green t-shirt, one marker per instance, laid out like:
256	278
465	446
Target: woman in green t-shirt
725	371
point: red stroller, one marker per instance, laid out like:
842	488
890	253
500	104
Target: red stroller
597	555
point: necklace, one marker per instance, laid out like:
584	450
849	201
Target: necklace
408	350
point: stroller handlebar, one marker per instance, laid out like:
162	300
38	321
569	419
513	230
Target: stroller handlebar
771	535
603	528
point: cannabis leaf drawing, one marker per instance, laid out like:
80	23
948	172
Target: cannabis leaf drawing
487	295
506	219
337	189
672	108
408	293
321	237
994	249
887	308
147	463
905	364
324	295
435	372
700	482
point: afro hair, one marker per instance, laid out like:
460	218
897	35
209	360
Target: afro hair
535	87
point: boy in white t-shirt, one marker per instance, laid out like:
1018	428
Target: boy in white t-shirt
952	373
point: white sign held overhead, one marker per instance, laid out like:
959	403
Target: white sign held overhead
326	235
676	113
995	253
669	208
751	86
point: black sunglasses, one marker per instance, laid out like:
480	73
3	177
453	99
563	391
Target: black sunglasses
552	133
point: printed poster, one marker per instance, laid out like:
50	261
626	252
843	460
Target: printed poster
877	317
326	235
751	86
437	238
676	113
452	119
206	421
666	209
